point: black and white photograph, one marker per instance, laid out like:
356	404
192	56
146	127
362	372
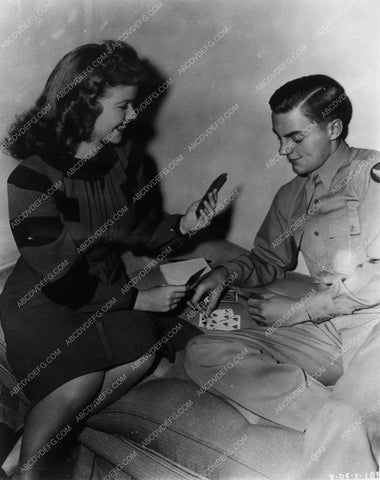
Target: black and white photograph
190	239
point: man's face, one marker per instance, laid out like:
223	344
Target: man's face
306	144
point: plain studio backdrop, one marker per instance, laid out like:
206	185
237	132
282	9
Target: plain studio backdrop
263	44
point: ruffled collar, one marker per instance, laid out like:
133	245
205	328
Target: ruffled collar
91	169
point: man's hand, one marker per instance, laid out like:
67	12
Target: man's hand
160	299
212	285
190	223
277	308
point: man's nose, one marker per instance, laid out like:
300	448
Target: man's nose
286	147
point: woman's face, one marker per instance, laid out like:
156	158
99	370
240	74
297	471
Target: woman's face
306	144
117	112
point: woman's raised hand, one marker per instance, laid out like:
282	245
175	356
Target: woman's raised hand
190	223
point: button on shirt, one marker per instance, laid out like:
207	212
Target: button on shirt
331	216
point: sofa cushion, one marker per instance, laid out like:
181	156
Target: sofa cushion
199	431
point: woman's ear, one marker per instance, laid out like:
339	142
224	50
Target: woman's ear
335	128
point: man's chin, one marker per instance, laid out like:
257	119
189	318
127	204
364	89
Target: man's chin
300	171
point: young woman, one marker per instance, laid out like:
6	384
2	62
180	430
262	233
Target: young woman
73	329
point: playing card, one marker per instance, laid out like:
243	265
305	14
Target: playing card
179	273
230	296
221	319
203	317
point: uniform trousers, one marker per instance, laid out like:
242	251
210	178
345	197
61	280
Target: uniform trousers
323	380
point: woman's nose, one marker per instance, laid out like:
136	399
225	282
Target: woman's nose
130	114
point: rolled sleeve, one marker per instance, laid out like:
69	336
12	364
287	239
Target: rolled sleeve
273	254
358	291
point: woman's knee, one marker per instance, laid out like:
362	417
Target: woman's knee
143	364
79	390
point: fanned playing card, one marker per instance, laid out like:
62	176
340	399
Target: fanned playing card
221	319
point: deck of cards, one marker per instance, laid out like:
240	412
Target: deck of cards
221	319
230	296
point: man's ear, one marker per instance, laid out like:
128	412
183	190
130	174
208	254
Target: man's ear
335	128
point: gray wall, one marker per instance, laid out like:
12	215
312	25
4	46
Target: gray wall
261	35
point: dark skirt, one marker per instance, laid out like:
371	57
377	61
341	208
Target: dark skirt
49	344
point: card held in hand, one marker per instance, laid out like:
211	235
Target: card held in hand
180	273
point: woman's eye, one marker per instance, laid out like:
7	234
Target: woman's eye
124	107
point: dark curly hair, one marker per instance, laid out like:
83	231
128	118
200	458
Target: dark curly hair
320	98
65	113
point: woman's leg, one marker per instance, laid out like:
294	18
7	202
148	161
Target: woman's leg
52	414
59	409
121	379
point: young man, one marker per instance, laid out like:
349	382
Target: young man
331	335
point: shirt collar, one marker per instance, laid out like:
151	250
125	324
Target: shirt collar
328	170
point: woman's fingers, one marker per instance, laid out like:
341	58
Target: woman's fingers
179	295
174	303
209	208
178	288
213	198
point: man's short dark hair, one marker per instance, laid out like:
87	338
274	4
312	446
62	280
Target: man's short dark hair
319	97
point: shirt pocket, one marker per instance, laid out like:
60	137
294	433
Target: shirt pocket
338	225
338	249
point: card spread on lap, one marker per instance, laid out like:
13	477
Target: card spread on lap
221	319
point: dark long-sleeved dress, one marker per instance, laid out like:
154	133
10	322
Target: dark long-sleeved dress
62	309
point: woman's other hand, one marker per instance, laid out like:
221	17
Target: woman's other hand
160	299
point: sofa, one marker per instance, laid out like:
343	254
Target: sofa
164	429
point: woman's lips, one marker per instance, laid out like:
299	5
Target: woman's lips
120	127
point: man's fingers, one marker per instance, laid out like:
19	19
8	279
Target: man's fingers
256	313
258	319
213	303
199	292
253	302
